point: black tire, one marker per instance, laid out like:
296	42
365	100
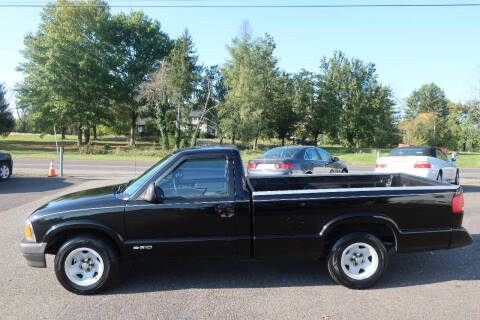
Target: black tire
344	171
440	176
457	178
357	239
98	245
8	170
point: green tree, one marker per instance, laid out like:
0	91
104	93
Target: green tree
358	97
210	93
65	70
249	77
282	118
7	122
315	104
428	98
153	94
427	115
183	79
138	45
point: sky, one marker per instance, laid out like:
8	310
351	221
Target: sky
409	46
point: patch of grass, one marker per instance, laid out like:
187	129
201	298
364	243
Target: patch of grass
37	146
468	160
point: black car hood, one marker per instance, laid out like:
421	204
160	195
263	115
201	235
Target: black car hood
91	198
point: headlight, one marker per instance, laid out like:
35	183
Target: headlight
29	233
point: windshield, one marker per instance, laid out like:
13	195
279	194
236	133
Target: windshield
408	152
133	185
280	153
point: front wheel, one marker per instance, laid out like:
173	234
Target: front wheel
5	171
457	178
86	264
357	260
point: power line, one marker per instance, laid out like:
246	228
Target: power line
324	6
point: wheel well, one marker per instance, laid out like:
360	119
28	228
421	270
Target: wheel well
54	244
381	231
2	162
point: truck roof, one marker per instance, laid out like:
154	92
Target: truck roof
204	149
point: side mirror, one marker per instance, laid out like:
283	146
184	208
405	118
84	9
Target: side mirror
153	194
454	159
335	159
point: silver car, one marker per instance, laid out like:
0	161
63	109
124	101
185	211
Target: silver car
295	160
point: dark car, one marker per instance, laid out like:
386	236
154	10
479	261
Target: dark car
295	160
6	166
197	203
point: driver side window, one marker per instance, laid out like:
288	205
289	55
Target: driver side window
196	178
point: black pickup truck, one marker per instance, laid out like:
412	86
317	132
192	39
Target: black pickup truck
197	203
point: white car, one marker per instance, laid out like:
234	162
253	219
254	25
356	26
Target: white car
428	162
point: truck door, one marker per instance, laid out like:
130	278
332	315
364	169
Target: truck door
195	217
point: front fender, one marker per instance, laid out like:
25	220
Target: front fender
83	224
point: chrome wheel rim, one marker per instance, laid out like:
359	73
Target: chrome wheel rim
359	261
4	171
84	266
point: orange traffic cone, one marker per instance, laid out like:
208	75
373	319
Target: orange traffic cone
51	172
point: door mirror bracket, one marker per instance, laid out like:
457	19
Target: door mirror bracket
153	194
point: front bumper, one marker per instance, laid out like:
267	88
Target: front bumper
34	253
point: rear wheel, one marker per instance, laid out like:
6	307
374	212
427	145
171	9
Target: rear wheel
457	178
357	260
86	264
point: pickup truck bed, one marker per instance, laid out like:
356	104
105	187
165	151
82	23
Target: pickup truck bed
197	203
306	209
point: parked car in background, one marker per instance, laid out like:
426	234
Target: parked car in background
295	160
428	162
6	166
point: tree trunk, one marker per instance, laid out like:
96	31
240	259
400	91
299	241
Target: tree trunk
94	132
193	142
164	135
79	136
87	135
233	138
255	142
177	136
63	132
133	124
315	139
283	141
